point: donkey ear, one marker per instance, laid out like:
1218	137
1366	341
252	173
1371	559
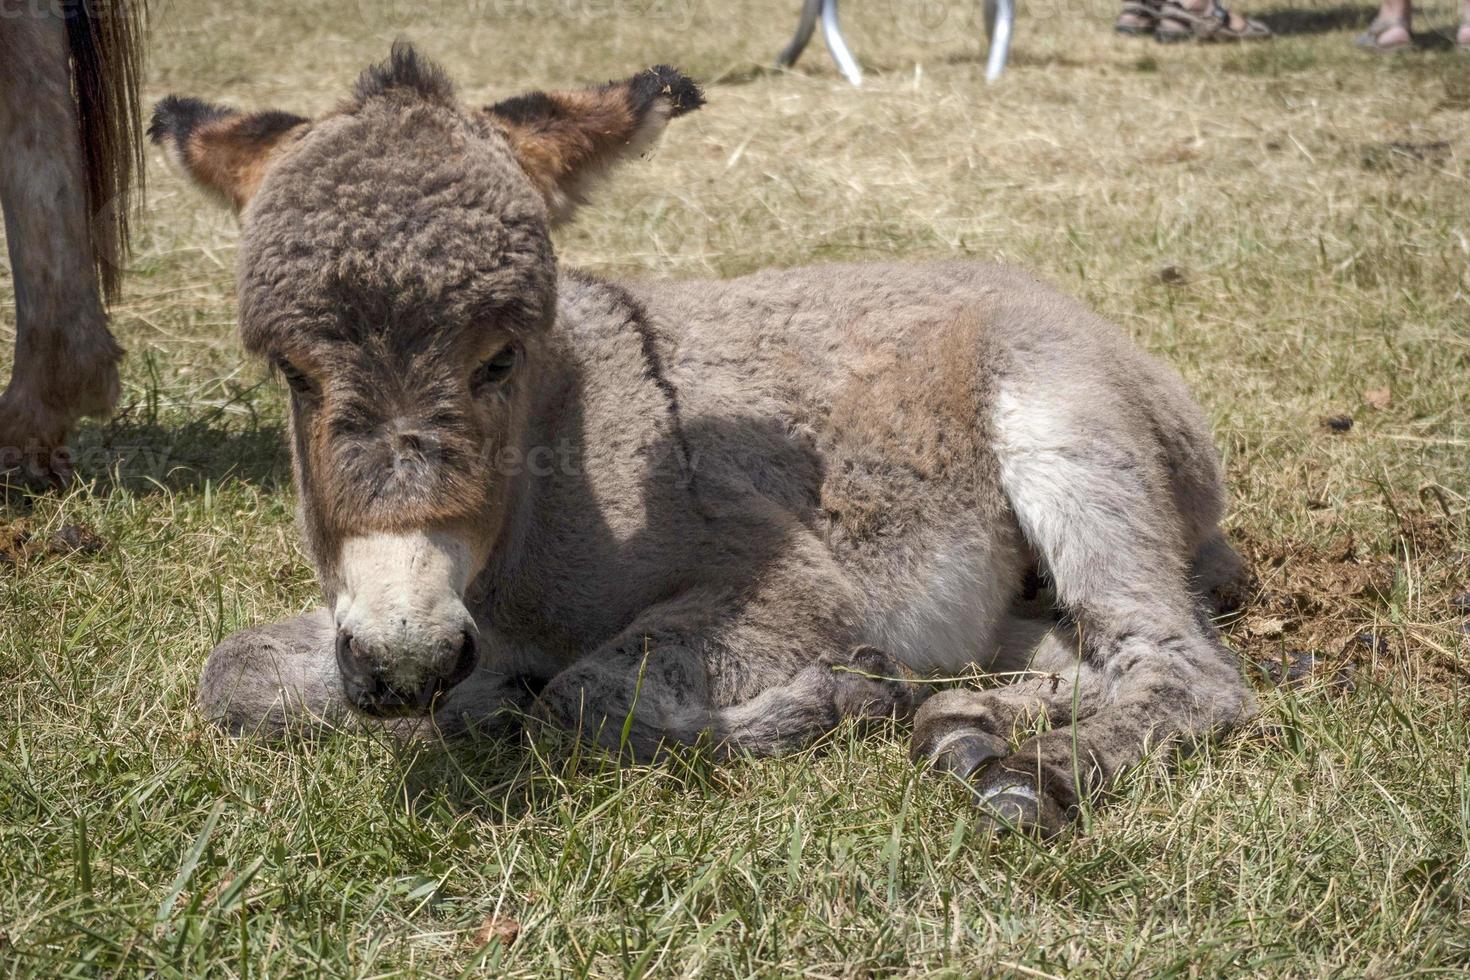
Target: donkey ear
223	151
565	140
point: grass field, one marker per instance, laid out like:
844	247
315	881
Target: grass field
1287	223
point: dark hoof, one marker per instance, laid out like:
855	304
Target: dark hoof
963	752
30	480
1012	803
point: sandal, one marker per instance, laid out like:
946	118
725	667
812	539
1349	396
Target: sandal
1372	38
1138	18
1179	23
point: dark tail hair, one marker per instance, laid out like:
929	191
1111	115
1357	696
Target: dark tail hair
106	42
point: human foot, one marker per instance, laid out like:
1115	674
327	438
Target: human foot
1386	34
1206	20
1137	19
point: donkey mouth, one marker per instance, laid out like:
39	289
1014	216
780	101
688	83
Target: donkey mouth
375	694
389	702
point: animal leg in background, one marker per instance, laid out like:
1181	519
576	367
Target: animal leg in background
65	358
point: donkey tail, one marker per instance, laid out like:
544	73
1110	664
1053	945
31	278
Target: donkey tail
105	39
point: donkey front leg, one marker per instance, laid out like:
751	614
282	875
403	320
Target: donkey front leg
268	680
65	359
273	680
652	687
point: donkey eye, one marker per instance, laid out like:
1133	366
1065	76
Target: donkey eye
293	377
495	370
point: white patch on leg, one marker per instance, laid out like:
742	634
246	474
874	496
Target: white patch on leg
1078	500
938	616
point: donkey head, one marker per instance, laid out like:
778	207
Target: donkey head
395	267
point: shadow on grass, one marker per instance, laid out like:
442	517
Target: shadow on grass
531	766
144	456
1437	39
1286	21
143	449
978	55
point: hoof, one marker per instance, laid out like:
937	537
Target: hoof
33	454
869	684
35	472
1012	803
963	752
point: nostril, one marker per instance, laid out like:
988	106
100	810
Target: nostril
352	663
378	690
464	661
364	687
344	652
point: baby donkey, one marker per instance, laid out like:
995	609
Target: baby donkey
735	511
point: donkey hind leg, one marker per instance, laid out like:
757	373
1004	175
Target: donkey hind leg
1218	575
960	731
283	679
636	700
65	359
1098	512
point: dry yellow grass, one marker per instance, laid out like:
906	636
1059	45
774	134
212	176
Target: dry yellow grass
1288	223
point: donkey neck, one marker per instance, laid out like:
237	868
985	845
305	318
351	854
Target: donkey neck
606	484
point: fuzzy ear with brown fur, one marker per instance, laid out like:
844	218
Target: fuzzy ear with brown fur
566	140
223	151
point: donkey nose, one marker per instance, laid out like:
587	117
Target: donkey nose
379	684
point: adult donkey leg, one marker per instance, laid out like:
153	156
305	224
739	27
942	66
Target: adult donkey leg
274	680
65	359
1095	502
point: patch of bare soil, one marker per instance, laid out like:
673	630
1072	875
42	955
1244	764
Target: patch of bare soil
1315	614
20	542
497	928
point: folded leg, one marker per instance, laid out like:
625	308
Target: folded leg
1098	506
283	679
630	699
761	672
